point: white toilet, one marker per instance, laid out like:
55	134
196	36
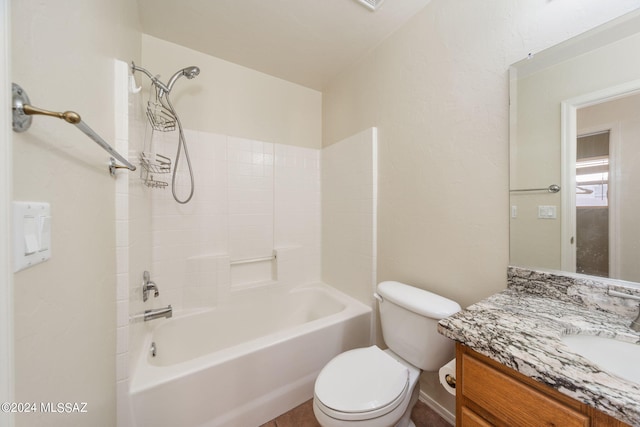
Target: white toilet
378	388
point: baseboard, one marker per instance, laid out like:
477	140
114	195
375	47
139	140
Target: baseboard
438	408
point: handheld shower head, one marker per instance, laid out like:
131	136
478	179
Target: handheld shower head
189	72
163	117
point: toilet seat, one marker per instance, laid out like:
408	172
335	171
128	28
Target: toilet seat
361	384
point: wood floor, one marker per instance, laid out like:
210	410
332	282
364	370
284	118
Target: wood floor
302	416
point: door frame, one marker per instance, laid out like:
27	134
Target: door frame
569	134
613	195
6	275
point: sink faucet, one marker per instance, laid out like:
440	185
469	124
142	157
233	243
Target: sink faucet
148	286
635	324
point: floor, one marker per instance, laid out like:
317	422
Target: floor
302	416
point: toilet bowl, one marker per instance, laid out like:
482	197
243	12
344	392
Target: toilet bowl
365	387
378	388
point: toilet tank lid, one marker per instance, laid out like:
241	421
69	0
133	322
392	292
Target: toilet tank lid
418	300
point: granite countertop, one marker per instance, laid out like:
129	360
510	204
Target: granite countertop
521	327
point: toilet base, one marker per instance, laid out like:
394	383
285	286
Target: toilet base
404	421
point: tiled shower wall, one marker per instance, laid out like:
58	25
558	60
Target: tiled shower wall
251	198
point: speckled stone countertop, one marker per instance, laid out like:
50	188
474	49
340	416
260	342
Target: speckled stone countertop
521	327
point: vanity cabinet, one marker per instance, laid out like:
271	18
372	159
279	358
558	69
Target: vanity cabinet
491	394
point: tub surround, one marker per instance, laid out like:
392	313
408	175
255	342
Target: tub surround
521	327
246	363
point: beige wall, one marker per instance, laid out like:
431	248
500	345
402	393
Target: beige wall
536	155
63	55
233	100
437	90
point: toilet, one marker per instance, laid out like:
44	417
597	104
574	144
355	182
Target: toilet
378	388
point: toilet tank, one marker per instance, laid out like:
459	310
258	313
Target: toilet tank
409	318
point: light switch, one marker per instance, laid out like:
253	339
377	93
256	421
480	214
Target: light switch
44	232
547	212
31	234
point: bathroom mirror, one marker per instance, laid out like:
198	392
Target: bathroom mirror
575	124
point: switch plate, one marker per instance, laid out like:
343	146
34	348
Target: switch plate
547	212
31	234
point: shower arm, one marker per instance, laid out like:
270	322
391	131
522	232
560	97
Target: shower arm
188	72
153	78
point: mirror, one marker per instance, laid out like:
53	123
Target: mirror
575	124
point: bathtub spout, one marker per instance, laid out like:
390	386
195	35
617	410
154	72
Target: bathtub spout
157	313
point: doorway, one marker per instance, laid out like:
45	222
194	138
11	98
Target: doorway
592	204
600	182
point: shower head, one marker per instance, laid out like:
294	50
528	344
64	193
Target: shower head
191	72
188	72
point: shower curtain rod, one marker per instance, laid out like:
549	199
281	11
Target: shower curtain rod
22	112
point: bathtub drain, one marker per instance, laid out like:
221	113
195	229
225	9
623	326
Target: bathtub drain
152	350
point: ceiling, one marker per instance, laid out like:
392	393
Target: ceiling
302	41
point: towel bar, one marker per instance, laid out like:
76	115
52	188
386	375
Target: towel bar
23	110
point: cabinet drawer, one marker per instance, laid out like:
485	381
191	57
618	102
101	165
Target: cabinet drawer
471	419
513	402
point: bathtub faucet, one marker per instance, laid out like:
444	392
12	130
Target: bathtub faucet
148	286
157	313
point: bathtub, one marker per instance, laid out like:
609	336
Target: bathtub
245	362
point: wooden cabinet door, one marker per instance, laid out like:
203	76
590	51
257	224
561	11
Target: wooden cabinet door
491	394
513	402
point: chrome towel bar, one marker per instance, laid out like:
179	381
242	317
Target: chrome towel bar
553	188
22	112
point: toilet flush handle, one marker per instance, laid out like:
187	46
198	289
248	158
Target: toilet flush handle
378	297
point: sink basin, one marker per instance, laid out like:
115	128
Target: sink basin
613	356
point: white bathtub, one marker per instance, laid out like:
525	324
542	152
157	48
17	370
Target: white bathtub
244	363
